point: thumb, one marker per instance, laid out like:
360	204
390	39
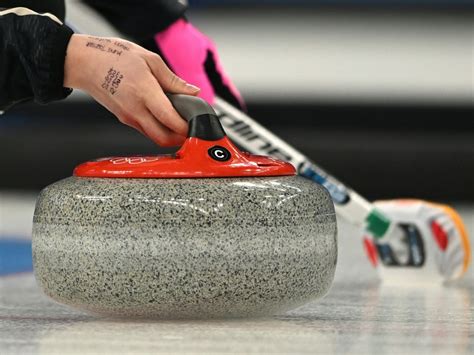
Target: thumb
169	81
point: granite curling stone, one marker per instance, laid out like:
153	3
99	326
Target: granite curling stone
208	232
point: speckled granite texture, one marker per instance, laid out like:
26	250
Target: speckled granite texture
185	248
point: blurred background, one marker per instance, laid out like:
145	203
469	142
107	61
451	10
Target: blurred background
380	94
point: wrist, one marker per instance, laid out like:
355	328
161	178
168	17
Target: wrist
73	63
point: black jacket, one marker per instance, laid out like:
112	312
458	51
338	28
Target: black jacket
33	41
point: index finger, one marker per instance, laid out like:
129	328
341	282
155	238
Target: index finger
162	109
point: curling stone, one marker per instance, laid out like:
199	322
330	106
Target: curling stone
207	232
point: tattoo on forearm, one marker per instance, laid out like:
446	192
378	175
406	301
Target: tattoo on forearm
107	45
112	81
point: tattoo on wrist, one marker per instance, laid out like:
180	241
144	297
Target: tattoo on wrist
107	45
112	81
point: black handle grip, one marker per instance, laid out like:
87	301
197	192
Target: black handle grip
202	119
190	106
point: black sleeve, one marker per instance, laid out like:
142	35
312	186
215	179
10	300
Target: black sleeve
139	19
32	52
55	7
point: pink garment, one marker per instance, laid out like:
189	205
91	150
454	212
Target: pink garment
186	50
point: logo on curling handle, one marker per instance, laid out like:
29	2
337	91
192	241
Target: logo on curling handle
133	160
219	153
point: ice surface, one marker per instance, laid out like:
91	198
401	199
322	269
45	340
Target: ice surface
359	315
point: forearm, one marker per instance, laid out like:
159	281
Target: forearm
32	53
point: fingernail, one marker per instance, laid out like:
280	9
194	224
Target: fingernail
192	88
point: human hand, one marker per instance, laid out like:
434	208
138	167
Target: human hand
129	81
193	56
